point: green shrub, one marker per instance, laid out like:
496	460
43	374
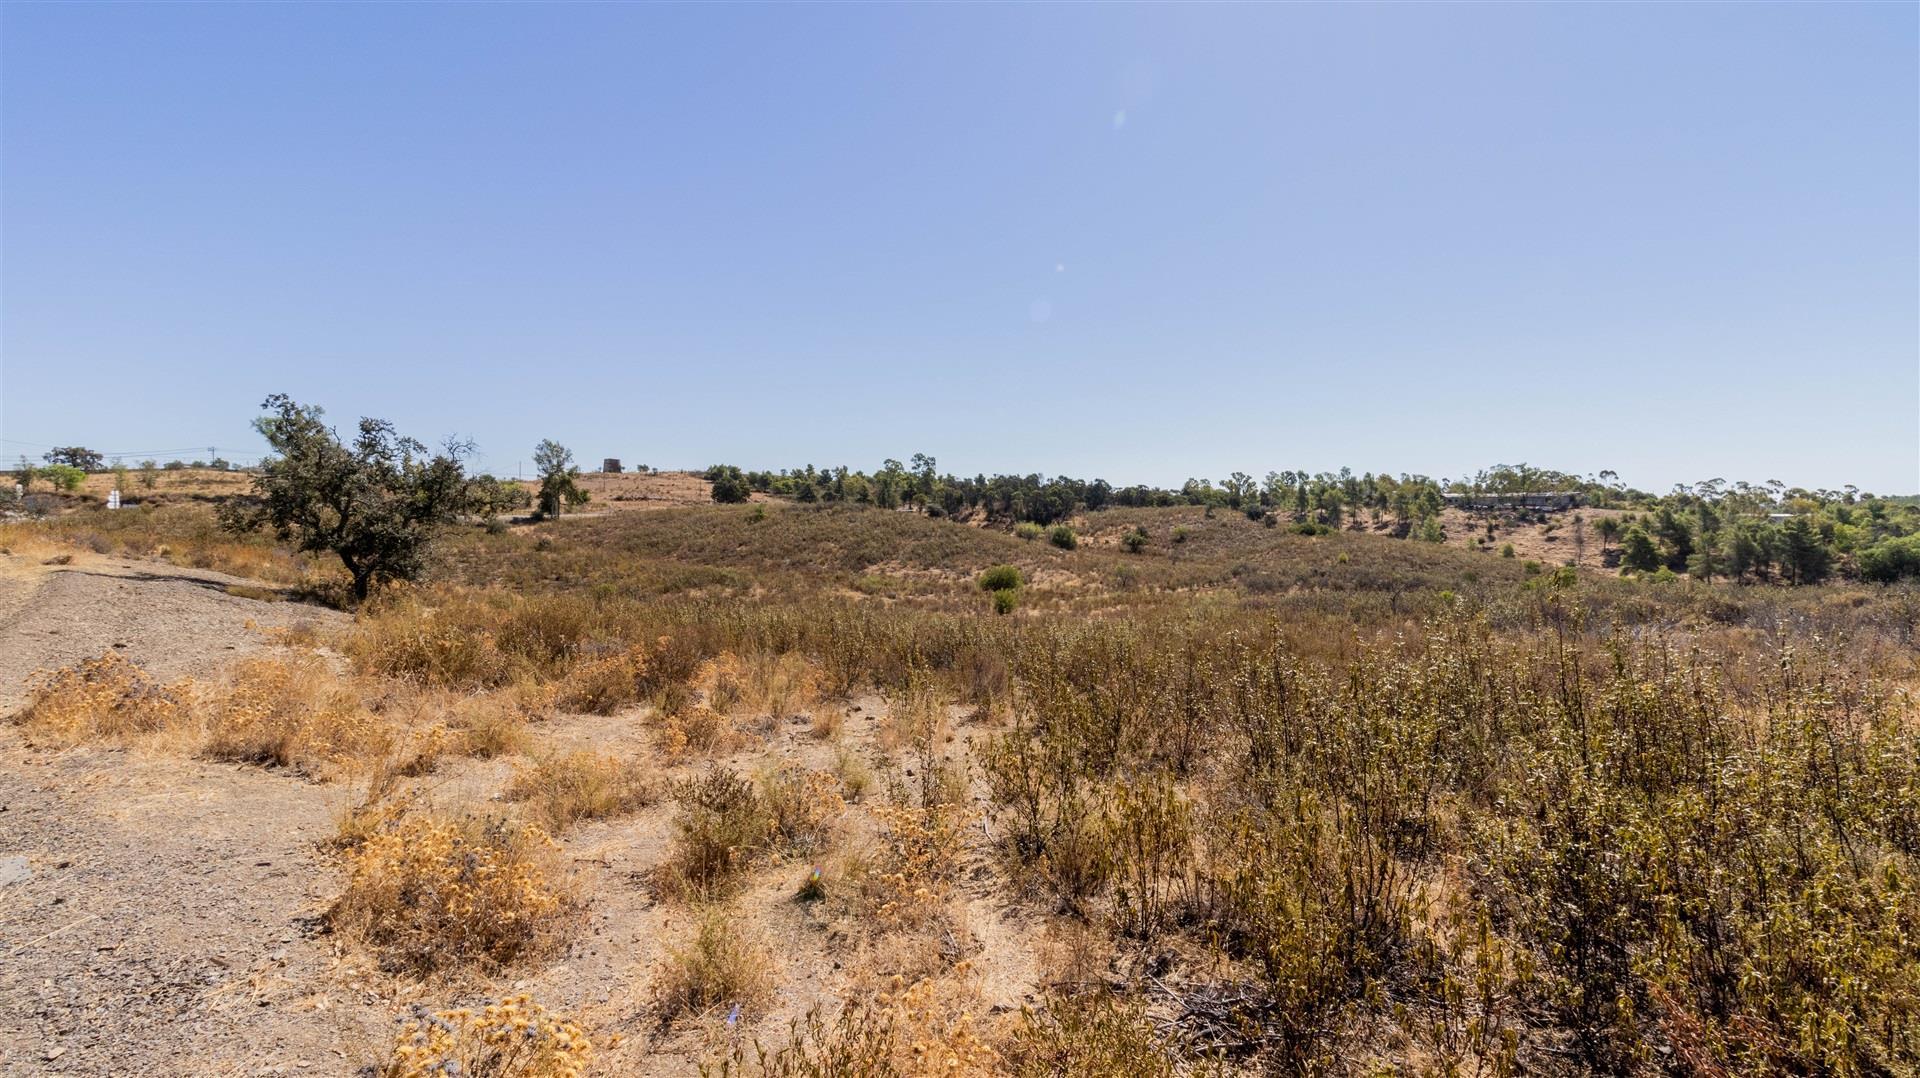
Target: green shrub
1180	534
63	476
1000	578
1135	541
1027	529
1891	559
1063	537
1005	599
1506	550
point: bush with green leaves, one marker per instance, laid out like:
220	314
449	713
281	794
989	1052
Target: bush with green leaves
1028	530
63	476
1891	559
1000	577
1063	537
1005	599
489	497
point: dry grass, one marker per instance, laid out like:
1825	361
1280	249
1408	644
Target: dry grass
513	1038
562	790
722	966
290	711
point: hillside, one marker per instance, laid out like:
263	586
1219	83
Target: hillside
777	777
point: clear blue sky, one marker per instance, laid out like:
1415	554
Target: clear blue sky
1677	241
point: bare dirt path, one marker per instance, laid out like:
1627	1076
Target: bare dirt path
154	910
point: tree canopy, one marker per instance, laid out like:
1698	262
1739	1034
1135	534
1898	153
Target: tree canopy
375	502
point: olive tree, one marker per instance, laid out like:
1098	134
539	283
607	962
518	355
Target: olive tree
376	502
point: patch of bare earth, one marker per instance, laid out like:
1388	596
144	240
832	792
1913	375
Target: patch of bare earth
153	909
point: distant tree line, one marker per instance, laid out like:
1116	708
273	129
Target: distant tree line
1709	530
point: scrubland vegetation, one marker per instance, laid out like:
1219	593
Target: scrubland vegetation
1228	798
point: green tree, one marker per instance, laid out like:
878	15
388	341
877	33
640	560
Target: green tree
559	480
26	473
376	503
77	456
1609	530
1638	552
149	474
1802	553
730	485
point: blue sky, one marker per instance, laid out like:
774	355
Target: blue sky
1141	242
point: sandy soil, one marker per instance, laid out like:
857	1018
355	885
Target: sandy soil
1565	538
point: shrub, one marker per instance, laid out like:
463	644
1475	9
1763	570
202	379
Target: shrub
801	806
63	476
1000	577
430	893
1134	541
582	785
723	824
107	697
718	967
1063	537
514	1038
1005	600
289	711
1180	533
1506	550
1891	559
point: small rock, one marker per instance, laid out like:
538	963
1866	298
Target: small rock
14	870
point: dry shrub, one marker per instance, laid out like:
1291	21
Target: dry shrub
906	880
444	647
583	785
514	1038
778	685
827	721
802	804
720	966
698	731
103	698
434	893
723	824
926	1028
855	774
603	683
290	711
491	726
1094	1034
